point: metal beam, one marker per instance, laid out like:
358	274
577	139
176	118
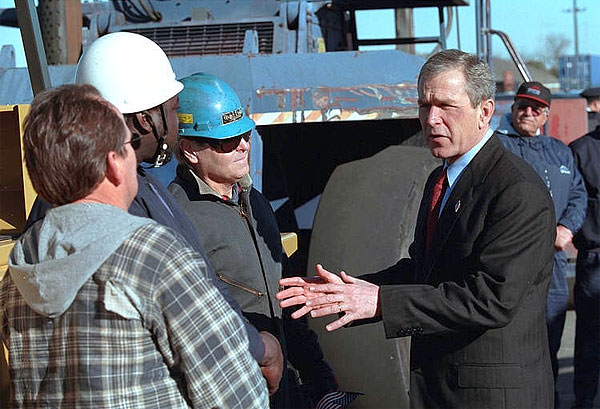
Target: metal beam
34	46
60	23
408	40
404	28
396	4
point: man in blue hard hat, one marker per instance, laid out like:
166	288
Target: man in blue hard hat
238	227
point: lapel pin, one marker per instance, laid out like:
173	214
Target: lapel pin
456	207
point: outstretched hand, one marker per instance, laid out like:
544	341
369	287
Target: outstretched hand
298	291
329	294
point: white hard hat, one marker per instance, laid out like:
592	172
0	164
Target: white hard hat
129	70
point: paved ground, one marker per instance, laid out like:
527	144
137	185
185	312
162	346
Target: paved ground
565	372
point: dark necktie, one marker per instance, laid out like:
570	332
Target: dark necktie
437	195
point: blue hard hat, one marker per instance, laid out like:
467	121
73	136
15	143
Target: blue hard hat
210	108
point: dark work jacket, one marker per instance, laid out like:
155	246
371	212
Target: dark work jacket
553	162
587	158
475	304
593	120
155	202
243	243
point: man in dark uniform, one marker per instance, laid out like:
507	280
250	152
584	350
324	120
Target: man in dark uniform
592	96
520	131
587	281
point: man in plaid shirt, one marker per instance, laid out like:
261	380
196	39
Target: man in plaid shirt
101	308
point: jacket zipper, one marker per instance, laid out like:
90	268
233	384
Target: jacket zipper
240	285
245	215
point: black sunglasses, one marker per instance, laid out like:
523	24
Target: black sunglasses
536	110
226	145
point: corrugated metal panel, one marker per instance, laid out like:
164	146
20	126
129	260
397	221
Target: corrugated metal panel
578	72
208	39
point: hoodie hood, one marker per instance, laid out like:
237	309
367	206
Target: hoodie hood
58	254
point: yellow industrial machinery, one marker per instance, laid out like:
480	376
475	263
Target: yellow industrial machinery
17	196
15	188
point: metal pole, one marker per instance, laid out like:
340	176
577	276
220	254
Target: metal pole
575	10
442	28
457	28
479	28
60	24
353	29
34	46
488	39
404	28
514	54
301	42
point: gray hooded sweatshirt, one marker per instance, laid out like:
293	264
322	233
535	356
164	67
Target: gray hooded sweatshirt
57	255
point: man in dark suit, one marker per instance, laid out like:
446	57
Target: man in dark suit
472	294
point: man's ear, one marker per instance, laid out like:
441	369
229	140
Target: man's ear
114	171
486	112
188	151
546	117
143	121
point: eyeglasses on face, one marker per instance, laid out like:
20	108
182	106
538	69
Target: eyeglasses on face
536	109
229	144
135	141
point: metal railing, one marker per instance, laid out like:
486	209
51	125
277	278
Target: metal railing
484	34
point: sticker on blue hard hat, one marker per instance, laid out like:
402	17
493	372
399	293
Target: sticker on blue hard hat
185	118
232	116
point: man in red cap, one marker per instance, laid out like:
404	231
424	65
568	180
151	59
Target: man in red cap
521	131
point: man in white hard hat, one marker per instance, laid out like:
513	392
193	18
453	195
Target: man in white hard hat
101	308
133	73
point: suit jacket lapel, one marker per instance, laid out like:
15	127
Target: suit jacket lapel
457	201
461	199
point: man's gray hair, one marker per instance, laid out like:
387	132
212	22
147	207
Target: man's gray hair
480	83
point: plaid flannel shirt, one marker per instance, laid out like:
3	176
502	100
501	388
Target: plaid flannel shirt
147	330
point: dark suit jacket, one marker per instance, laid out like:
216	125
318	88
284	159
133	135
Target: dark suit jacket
475	305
